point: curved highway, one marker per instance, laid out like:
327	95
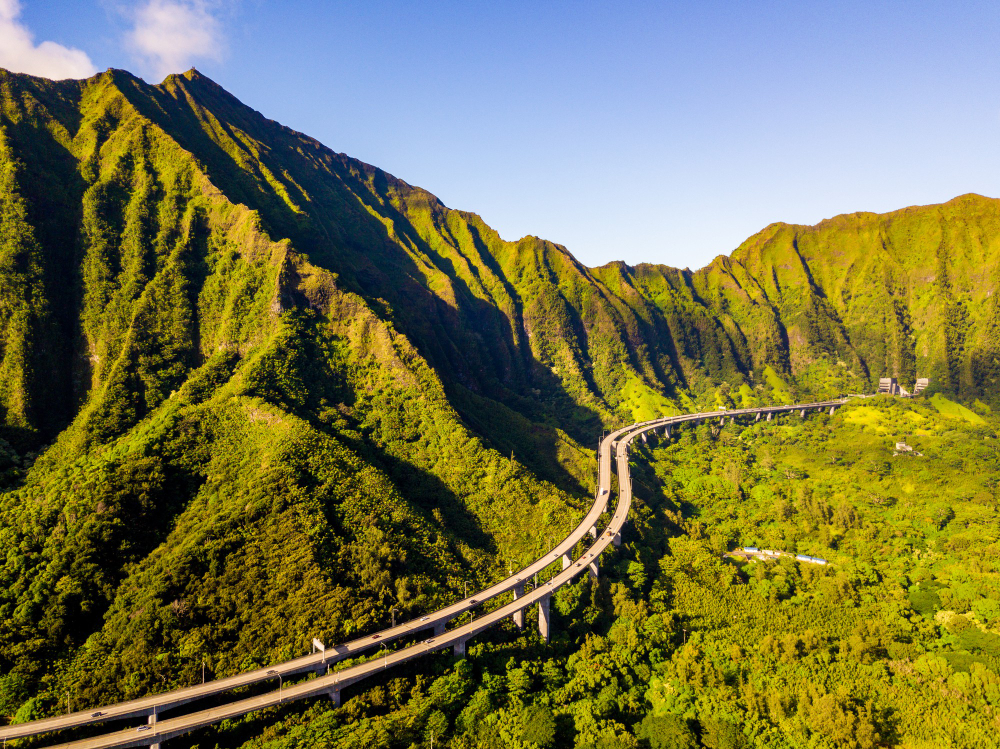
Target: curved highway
155	732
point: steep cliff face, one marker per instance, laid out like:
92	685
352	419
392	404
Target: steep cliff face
244	448
904	293
249	365
116	193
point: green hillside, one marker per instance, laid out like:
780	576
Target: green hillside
254	391
896	642
213	448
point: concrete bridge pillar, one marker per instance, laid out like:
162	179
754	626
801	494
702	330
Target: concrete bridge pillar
617	540
722	420
459	649
519	615
593	531
567	560
439	628
758	416
769	415
732	419
666	431
151	721
802	413
832	409
644	440
543	616
335	696
593	568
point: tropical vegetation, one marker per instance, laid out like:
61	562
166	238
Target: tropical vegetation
254	391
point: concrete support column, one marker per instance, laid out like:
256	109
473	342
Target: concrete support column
459	649
802	413
152	721
567	560
769	415
439	629
644	440
722	420
519	615
758	416
593	568
732	419
593	531
335	696
832	409
543	616
666	431
617	540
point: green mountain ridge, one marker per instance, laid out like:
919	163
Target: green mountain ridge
886	295
254	391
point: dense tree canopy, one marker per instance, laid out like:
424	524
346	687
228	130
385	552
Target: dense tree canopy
253	391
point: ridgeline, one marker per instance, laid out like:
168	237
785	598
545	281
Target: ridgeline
254	391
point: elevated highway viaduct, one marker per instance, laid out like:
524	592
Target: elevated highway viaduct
613	450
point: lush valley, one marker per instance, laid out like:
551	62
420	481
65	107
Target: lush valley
895	643
254	391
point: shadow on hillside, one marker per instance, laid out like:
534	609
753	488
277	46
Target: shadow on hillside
425	492
533	445
51	184
469	341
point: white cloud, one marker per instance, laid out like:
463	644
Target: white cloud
20	54
169	34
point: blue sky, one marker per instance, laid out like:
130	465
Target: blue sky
637	131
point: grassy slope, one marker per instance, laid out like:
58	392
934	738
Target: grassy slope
909	292
250	354
242	434
895	643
